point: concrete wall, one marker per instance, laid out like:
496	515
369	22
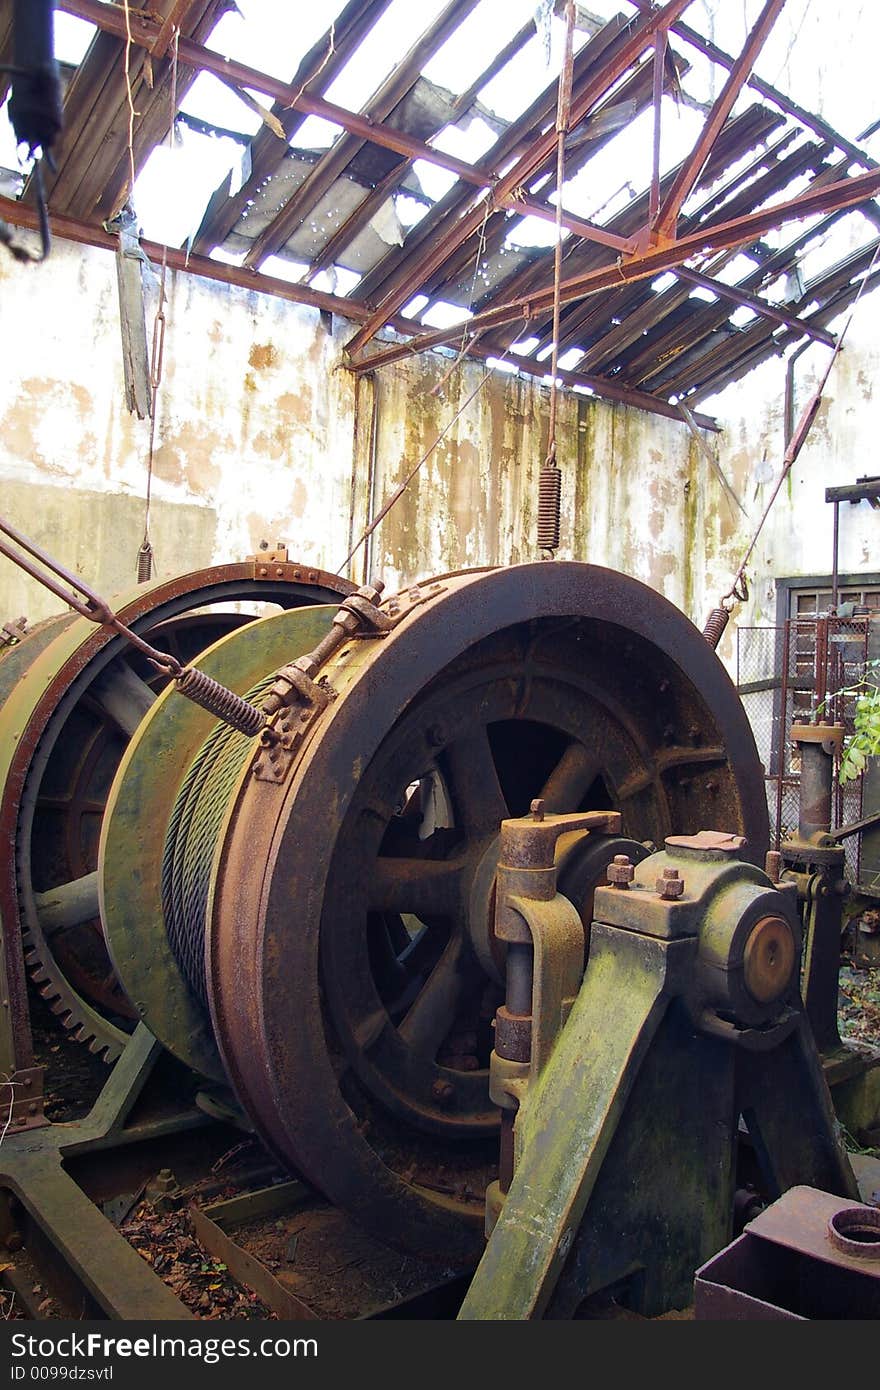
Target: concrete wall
253	438
797	537
258	437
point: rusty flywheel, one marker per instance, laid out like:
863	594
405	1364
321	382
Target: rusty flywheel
349	964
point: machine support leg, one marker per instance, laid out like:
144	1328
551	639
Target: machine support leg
788	1111
568	1119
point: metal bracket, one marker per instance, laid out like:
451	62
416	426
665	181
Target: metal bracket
558	940
399	605
283	736
752	1039
274	564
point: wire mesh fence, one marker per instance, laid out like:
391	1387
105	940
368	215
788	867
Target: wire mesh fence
792	674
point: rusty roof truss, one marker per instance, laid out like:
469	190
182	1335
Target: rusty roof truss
639	343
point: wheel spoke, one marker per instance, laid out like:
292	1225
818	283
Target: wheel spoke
424	887
123	697
478	801
570	779
665	761
69	904
433	1012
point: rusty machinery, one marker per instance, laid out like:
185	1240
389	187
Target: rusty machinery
329	925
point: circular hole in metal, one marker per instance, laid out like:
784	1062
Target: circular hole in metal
856	1231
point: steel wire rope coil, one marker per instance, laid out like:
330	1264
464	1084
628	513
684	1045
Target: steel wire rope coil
191	840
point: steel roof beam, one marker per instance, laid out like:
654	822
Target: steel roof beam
791	108
110	19
635	40
692	167
721	236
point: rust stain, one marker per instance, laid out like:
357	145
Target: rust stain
300	498
263	356
271	443
297	405
186	456
20	426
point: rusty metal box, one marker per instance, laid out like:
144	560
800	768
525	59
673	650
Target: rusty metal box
809	1255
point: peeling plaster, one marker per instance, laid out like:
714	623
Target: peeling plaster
254	441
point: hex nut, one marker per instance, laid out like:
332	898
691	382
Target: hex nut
669	885
621	871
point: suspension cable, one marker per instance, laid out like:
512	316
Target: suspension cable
549	486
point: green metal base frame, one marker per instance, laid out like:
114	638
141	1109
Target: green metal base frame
116	1282
626	1142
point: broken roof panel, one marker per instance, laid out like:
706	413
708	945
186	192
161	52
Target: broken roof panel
403	158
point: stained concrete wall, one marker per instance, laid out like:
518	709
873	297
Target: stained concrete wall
258	437
262	436
253	437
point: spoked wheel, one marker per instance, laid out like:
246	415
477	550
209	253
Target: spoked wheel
77	696
353	972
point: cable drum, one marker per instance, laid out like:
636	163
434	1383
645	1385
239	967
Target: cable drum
191	839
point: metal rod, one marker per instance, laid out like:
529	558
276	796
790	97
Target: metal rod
90	605
659	71
834	556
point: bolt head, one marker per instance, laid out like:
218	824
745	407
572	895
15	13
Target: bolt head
443	1092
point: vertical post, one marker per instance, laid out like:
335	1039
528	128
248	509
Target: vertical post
834	556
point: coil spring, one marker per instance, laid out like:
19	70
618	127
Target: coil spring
715	624
218	700
549	495
145	563
191	840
